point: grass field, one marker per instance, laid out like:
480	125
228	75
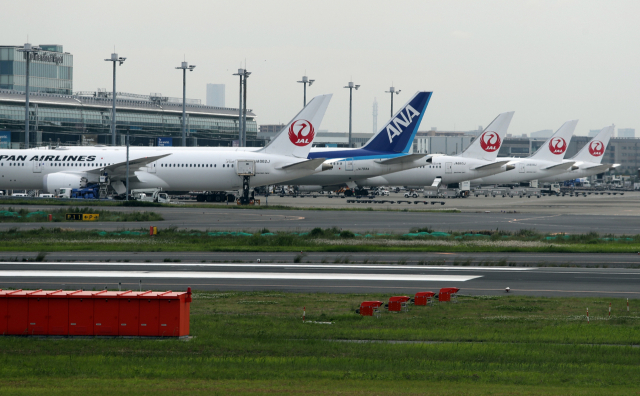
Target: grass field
316	240
256	343
22	215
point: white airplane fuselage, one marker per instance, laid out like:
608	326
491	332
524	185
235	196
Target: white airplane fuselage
585	169
525	170
196	169
451	169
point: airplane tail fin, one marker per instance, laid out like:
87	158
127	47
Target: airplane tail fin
556	146
297	137
594	150
487	145
397	135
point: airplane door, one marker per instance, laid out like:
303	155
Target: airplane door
447	167
521	168
151	168
349	165
37	167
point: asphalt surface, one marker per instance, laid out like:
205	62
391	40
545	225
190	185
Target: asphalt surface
600	213
357	221
337	278
584	260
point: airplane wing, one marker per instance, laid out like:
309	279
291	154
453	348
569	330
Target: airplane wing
564	165
492	165
308	164
401	159
603	167
120	169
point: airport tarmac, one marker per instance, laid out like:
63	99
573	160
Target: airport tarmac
337	278
602	214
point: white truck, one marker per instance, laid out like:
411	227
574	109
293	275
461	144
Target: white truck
151	195
63	193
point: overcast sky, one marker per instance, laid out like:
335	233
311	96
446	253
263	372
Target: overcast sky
550	61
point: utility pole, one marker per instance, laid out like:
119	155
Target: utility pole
120	60
185	66
351	86
305	80
391	91
28	49
240	73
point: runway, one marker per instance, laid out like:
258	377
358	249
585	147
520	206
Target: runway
339	278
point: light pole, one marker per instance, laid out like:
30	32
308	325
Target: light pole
28	49
351	86
244	109
305	81
391	91
184	68
120	60
240	73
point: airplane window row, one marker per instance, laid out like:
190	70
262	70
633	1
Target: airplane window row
432	166
194	165
61	164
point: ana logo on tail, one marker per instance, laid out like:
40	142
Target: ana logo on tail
596	148
558	145
301	132
409	114
490	141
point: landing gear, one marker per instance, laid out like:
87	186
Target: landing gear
247	195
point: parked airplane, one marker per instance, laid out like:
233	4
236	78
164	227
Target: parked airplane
284	158
385	152
545	162
479	159
588	161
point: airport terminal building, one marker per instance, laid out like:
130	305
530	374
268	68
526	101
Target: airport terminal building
86	120
58	116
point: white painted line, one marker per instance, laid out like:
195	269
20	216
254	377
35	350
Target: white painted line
272	265
234	275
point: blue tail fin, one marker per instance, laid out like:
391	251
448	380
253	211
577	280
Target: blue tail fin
398	134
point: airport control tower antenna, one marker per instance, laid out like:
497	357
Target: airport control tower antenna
375	115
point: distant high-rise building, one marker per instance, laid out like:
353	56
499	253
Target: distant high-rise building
375	115
545	133
627	132
593	132
215	95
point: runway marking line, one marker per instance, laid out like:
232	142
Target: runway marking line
333	287
272	265
237	275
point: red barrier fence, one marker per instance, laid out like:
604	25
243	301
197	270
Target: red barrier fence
89	313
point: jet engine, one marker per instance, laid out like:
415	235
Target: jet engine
55	181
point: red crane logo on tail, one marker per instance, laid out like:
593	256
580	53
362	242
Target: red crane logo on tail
490	141
558	146
596	148
301	132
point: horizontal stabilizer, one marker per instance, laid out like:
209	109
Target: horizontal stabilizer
405	159
493	165
564	165
307	164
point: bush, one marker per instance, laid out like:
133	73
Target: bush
347	234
